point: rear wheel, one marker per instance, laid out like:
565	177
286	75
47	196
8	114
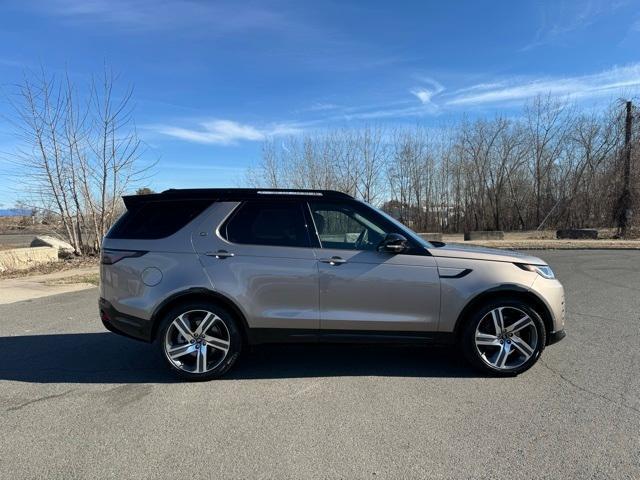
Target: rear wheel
504	337
199	341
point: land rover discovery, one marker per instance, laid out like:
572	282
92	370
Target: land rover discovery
204	273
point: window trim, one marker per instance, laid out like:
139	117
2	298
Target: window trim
222	229
312	229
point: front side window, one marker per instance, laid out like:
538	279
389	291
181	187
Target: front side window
278	224
347	226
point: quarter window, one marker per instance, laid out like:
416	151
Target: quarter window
157	219
278	224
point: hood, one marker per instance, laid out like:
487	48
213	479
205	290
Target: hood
456	250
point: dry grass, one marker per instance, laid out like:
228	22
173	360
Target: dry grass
542	244
23	225
91	278
546	239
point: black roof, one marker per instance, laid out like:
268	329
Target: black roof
232	194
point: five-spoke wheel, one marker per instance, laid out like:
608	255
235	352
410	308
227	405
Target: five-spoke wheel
504	337
199	341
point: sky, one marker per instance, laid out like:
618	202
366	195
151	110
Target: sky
213	79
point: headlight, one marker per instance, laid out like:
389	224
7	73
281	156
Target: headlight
542	270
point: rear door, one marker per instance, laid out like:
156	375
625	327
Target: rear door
364	289
261	258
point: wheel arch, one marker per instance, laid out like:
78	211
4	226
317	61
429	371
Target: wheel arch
501	292
198	295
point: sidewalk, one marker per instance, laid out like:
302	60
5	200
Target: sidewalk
36	286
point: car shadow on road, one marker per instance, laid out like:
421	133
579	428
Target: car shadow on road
109	358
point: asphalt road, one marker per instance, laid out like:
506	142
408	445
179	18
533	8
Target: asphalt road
78	402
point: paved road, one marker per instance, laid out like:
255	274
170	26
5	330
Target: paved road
76	402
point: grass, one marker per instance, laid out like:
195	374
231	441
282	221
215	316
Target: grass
91	278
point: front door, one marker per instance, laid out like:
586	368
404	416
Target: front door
364	289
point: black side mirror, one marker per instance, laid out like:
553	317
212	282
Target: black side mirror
393	243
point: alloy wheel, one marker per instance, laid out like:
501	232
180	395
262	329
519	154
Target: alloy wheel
506	338
197	341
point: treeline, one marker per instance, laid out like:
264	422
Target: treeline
551	166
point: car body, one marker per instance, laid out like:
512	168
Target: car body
266	266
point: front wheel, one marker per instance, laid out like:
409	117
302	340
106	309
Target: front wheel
504	337
199	341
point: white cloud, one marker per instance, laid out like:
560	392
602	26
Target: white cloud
426	93
606	83
410	111
433	99
423	95
225	132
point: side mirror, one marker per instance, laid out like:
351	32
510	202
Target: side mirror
393	243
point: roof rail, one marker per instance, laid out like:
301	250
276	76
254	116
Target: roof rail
289	192
229	194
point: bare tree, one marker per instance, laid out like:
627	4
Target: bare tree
551	166
546	125
78	155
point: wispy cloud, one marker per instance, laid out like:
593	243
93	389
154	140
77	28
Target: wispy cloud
561	19
224	132
154	15
11	63
432	99
606	83
322	106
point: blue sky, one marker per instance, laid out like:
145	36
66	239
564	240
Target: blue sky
213	79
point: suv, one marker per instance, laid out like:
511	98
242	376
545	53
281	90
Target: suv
204	273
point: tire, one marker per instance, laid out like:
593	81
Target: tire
194	351
505	351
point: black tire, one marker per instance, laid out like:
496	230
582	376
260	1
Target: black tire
483	314
229	331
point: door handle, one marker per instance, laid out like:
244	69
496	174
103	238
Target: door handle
220	254
333	260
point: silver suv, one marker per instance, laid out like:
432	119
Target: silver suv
205	273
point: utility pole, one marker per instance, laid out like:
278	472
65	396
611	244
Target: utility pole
624	207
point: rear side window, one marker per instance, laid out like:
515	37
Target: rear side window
158	219
278	224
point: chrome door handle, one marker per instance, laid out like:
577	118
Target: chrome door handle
220	254
333	260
